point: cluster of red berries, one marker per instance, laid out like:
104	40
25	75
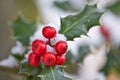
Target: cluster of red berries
40	53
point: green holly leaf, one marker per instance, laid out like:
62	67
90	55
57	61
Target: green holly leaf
110	63
115	8
117	66
23	29
113	61
19	57
83	51
53	73
74	25
65	5
32	78
72	60
26	68
69	58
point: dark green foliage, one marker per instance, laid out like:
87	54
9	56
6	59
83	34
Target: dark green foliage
75	25
23	30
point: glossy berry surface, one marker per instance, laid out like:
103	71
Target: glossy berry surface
49	32
61	47
33	59
49	59
39	47
105	32
60	60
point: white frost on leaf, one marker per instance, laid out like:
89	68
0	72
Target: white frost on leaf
18	48
102	4
9	62
81	41
78	4
94	61
56	26
95	36
92	64
50	49
58	37
38	34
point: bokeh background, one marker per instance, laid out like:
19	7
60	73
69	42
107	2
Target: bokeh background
8	12
9	9
47	12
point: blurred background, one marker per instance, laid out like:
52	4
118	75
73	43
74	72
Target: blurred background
9	9
8	12
48	11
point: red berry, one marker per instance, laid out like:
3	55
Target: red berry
49	32
105	32
60	60
39	47
49	59
33	59
61	47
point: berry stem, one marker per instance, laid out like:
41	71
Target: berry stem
52	73
50	43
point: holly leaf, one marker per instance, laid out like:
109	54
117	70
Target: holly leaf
109	64
113	61
32	78
69	58
65	5
19	57
26	68
117	66
115	8
75	25
23	29
72	60
53	73
83	51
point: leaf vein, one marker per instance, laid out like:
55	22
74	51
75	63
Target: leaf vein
76	23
